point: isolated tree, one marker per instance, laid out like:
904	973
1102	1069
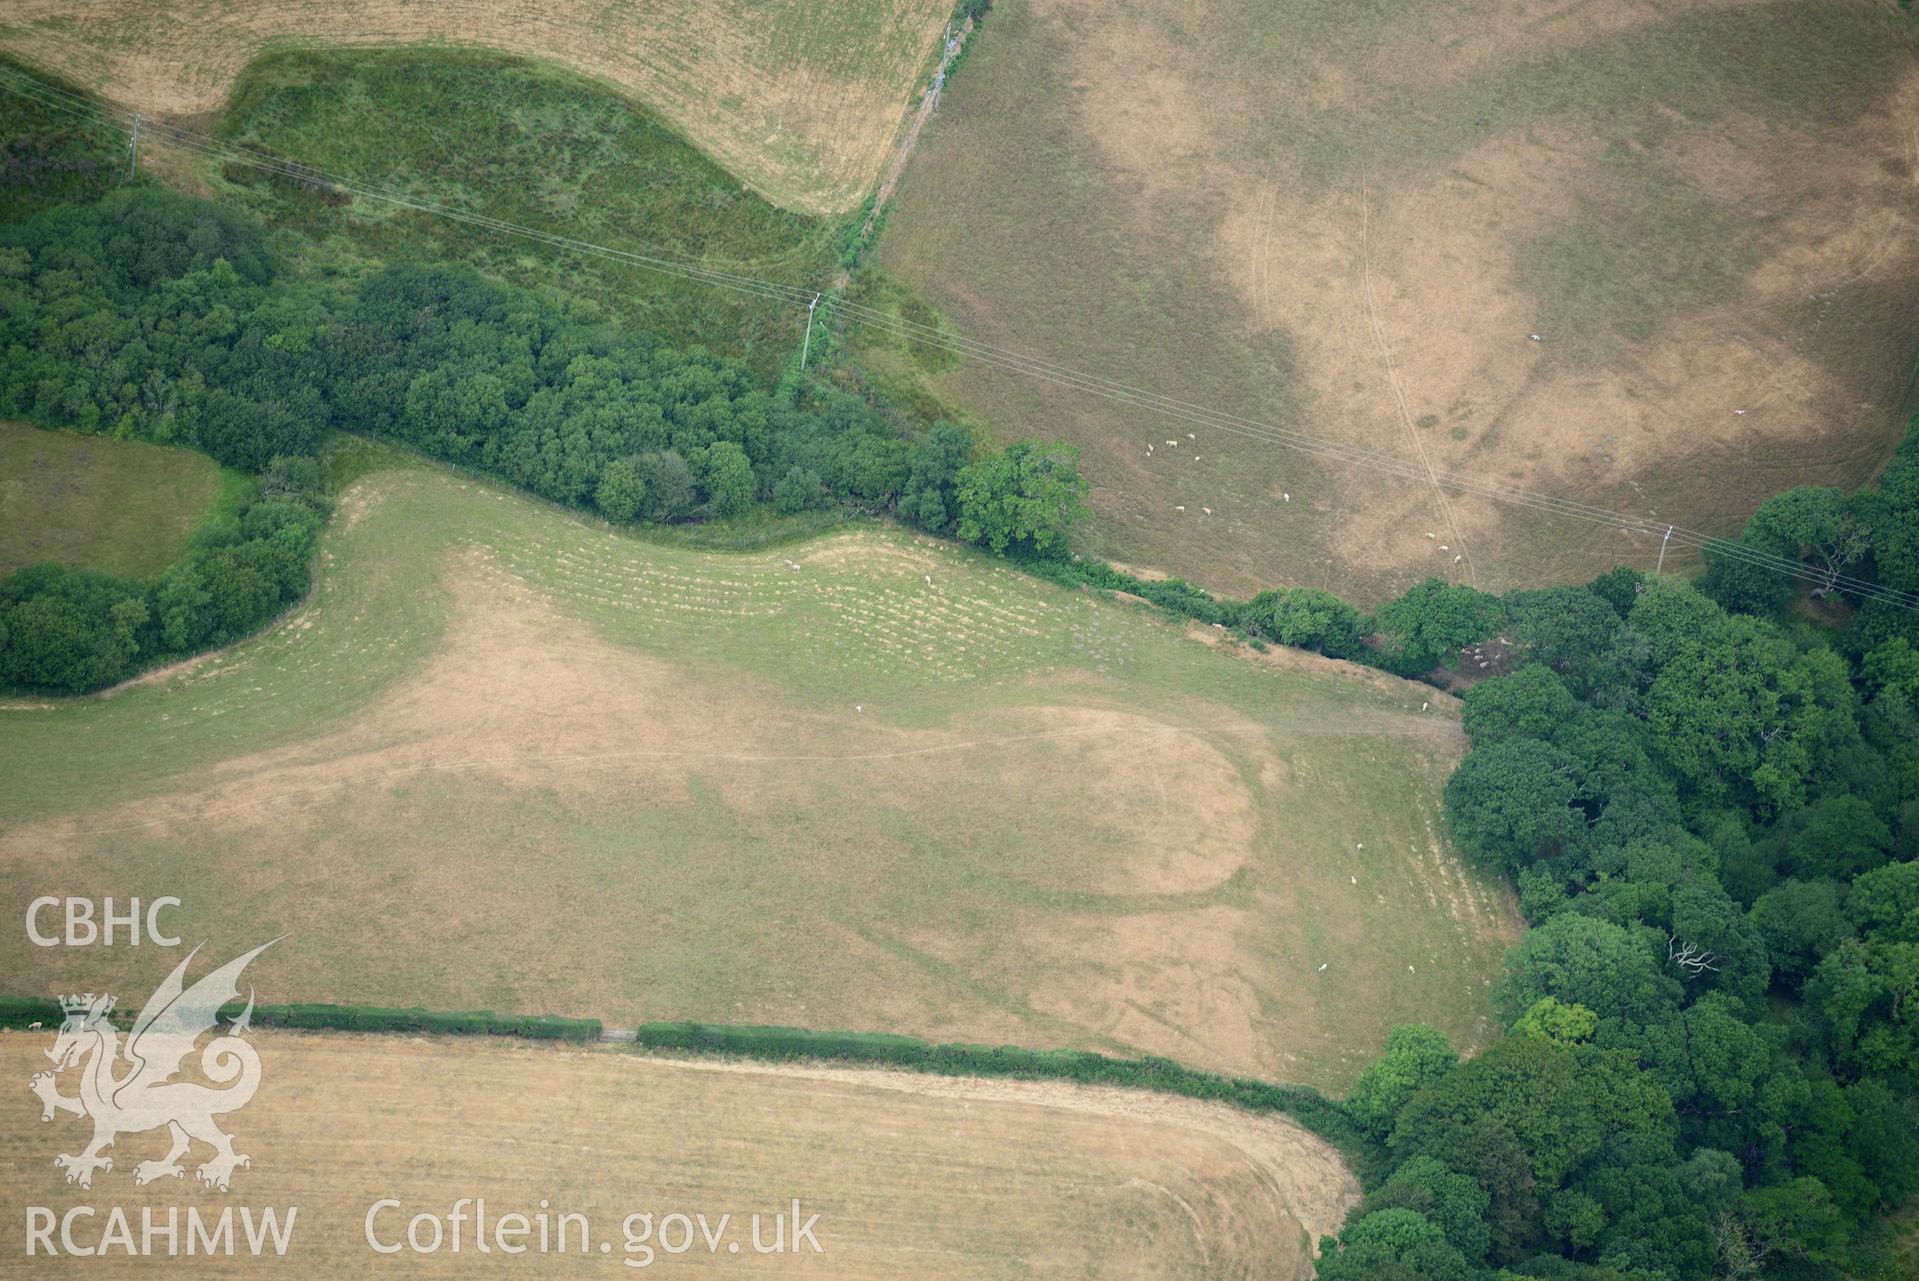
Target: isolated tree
1890	675
1026	497
1800	922
1708	1057
1838	836
1450	1200
1888	513
1813	525
1415	1056
929	498
621	491
800	489
1884	904
730	487
1527	1116
1579	960
1569	629
1741	711
1431	623
1551	1019
1307	618
1531	703
1512	802
669	486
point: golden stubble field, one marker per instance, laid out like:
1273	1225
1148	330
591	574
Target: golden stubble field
911	1176
800	100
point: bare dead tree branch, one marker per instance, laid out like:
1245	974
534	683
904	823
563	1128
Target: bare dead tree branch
1690	958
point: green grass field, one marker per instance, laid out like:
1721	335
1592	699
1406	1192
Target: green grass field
505	758
116	505
530	145
1348	220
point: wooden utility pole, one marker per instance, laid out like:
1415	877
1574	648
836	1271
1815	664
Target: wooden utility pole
133	148
807	346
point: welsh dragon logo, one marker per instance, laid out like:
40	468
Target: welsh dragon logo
132	1090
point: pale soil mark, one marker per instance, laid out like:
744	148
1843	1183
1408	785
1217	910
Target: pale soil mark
1398	389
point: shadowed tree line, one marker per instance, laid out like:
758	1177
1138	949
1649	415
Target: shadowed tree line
150	315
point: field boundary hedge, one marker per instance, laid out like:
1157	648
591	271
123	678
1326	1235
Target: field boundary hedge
1324	1117
1315	1112
19	1012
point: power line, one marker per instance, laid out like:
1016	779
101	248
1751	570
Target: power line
1006	359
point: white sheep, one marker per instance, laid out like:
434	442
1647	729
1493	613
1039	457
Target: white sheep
1360	846
1424	706
1173	443
1429	533
1207	510
1457	559
1322	967
928	578
1178	508
1287	497
1190	436
1444	548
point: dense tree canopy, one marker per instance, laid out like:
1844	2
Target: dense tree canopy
153	315
1712	823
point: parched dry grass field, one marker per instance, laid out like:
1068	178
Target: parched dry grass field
800	100
910	1176
116	505
505	758
1351	219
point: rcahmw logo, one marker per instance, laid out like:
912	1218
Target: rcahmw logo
131	1089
